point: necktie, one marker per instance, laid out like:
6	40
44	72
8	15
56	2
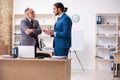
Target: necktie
32	24
58	18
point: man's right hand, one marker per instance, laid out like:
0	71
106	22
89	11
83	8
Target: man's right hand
28	31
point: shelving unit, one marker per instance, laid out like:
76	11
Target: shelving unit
119	30
107	39
46	21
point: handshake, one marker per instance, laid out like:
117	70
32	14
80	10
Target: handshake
48	32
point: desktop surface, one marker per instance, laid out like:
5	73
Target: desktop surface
37	69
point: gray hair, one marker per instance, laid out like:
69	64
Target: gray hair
27	9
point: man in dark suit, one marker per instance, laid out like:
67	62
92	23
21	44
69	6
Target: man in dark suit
30	29
62	31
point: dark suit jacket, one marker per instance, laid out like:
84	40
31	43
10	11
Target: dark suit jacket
32	38
63	27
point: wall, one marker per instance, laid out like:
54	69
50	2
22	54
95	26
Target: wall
6	10
87	11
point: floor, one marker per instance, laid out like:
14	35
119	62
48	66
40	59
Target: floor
92	75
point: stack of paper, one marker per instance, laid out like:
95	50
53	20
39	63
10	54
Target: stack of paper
59	57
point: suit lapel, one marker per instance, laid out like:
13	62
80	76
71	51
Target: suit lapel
28	23
33	23
59	20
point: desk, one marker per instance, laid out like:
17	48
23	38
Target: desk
35	69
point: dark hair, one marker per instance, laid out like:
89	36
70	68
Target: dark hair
61	6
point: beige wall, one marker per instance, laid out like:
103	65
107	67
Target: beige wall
6	10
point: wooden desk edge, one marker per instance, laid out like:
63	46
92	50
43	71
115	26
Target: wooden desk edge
35	59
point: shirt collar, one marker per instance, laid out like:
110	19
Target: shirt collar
29	19
61	15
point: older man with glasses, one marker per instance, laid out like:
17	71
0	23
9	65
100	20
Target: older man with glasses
30	29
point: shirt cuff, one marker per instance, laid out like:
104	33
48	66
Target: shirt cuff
33	30
54	33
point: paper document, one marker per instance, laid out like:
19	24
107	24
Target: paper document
59	57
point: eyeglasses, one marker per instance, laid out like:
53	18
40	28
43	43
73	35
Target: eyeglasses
32	12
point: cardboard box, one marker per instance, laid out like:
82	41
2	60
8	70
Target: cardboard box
117	58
